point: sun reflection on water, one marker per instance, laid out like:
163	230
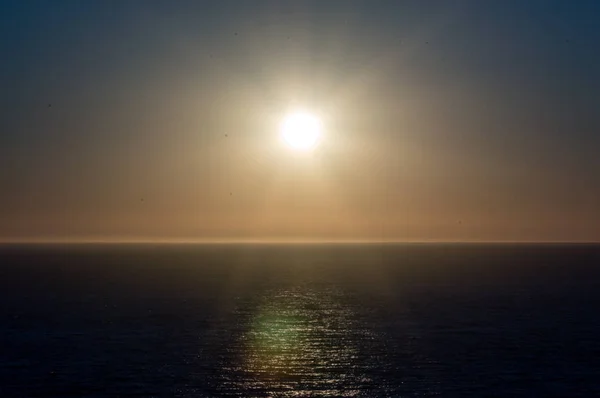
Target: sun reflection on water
299	344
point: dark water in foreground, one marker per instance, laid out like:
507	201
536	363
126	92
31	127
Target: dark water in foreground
367	321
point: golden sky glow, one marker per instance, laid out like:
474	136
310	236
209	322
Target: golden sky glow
172	131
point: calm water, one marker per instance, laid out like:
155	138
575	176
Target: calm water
254	321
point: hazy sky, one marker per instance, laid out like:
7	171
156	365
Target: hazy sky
444	120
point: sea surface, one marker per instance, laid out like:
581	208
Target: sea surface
300	320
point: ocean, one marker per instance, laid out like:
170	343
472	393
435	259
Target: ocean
412	320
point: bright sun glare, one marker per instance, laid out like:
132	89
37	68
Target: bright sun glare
301	131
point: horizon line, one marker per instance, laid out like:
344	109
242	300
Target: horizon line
280	242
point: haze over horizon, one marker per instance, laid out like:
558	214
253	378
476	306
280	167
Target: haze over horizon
158	121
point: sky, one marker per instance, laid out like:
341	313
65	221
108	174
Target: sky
158	120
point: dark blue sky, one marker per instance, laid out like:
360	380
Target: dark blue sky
479	111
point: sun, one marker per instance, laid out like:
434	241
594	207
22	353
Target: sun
301	131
